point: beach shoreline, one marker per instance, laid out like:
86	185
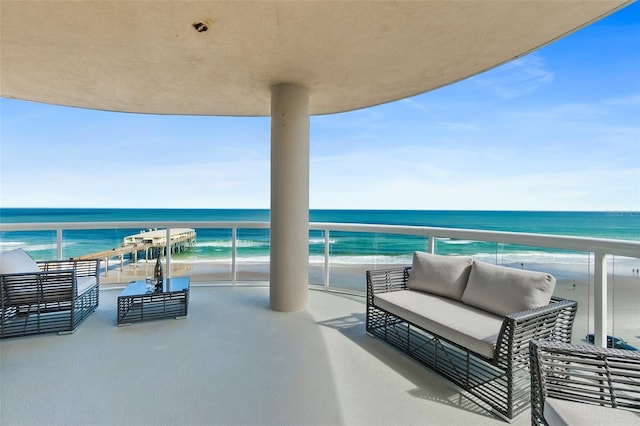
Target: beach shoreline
574	284
346	274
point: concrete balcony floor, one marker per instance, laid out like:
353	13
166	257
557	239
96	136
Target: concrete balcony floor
232	361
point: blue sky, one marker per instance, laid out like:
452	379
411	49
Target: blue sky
558	129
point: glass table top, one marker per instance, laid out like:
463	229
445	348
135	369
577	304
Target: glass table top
168	285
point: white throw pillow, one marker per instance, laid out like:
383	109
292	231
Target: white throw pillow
504	291
17	261
441	275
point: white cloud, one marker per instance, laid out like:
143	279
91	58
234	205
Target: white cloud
235	184
516	78
397	180
560	191
413	103
631	100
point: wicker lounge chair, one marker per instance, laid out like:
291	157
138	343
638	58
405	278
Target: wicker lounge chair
498	380
45	297
573	384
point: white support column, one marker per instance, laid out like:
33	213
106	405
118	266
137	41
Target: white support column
289	198
600	302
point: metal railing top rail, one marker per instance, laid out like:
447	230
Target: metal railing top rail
627	248
600	247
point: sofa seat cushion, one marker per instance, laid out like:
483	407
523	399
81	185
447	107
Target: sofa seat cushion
469	327
16	262
442	275
561	412
505	291
85	283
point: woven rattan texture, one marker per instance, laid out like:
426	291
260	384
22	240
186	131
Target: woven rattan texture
500	384
47	301
152	306
588	374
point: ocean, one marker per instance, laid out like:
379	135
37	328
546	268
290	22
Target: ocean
214	245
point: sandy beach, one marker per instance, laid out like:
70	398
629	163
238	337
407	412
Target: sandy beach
572	283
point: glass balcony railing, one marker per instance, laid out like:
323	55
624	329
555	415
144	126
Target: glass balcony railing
603	275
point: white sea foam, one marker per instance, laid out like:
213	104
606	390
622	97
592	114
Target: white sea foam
561	265
320	241
370	260
454	242
222	260
10	245
39	247
251	243
227	243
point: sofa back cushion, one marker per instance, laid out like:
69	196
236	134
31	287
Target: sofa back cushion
17	261
441	275
504	291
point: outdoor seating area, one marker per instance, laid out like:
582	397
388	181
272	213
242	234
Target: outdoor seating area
573	384
523	359
45	297
232	361
469	321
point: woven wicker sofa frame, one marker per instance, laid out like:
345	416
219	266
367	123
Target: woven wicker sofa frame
500	384
603	377
47	301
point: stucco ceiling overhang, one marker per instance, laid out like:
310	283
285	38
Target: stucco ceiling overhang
149	57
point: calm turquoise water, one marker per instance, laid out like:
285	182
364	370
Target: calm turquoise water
346	248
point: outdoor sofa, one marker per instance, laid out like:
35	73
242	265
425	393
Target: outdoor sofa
581	385
45	297
469	321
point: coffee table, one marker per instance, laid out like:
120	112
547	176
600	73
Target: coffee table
140	302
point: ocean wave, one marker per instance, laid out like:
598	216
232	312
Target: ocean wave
10	245
320	241
222	260
511	258
313	260
29	247
251	243
455	242
540	257
561	265
367	260
227	243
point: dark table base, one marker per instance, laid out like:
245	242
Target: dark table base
152	305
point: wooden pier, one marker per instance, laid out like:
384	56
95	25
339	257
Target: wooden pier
181	239
150	244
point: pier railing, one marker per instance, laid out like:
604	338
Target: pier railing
600	254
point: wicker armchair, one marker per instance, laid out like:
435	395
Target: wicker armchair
50	297
573	384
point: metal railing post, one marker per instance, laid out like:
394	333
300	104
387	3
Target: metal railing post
234	269
600	305
59	243
326	258
431	244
